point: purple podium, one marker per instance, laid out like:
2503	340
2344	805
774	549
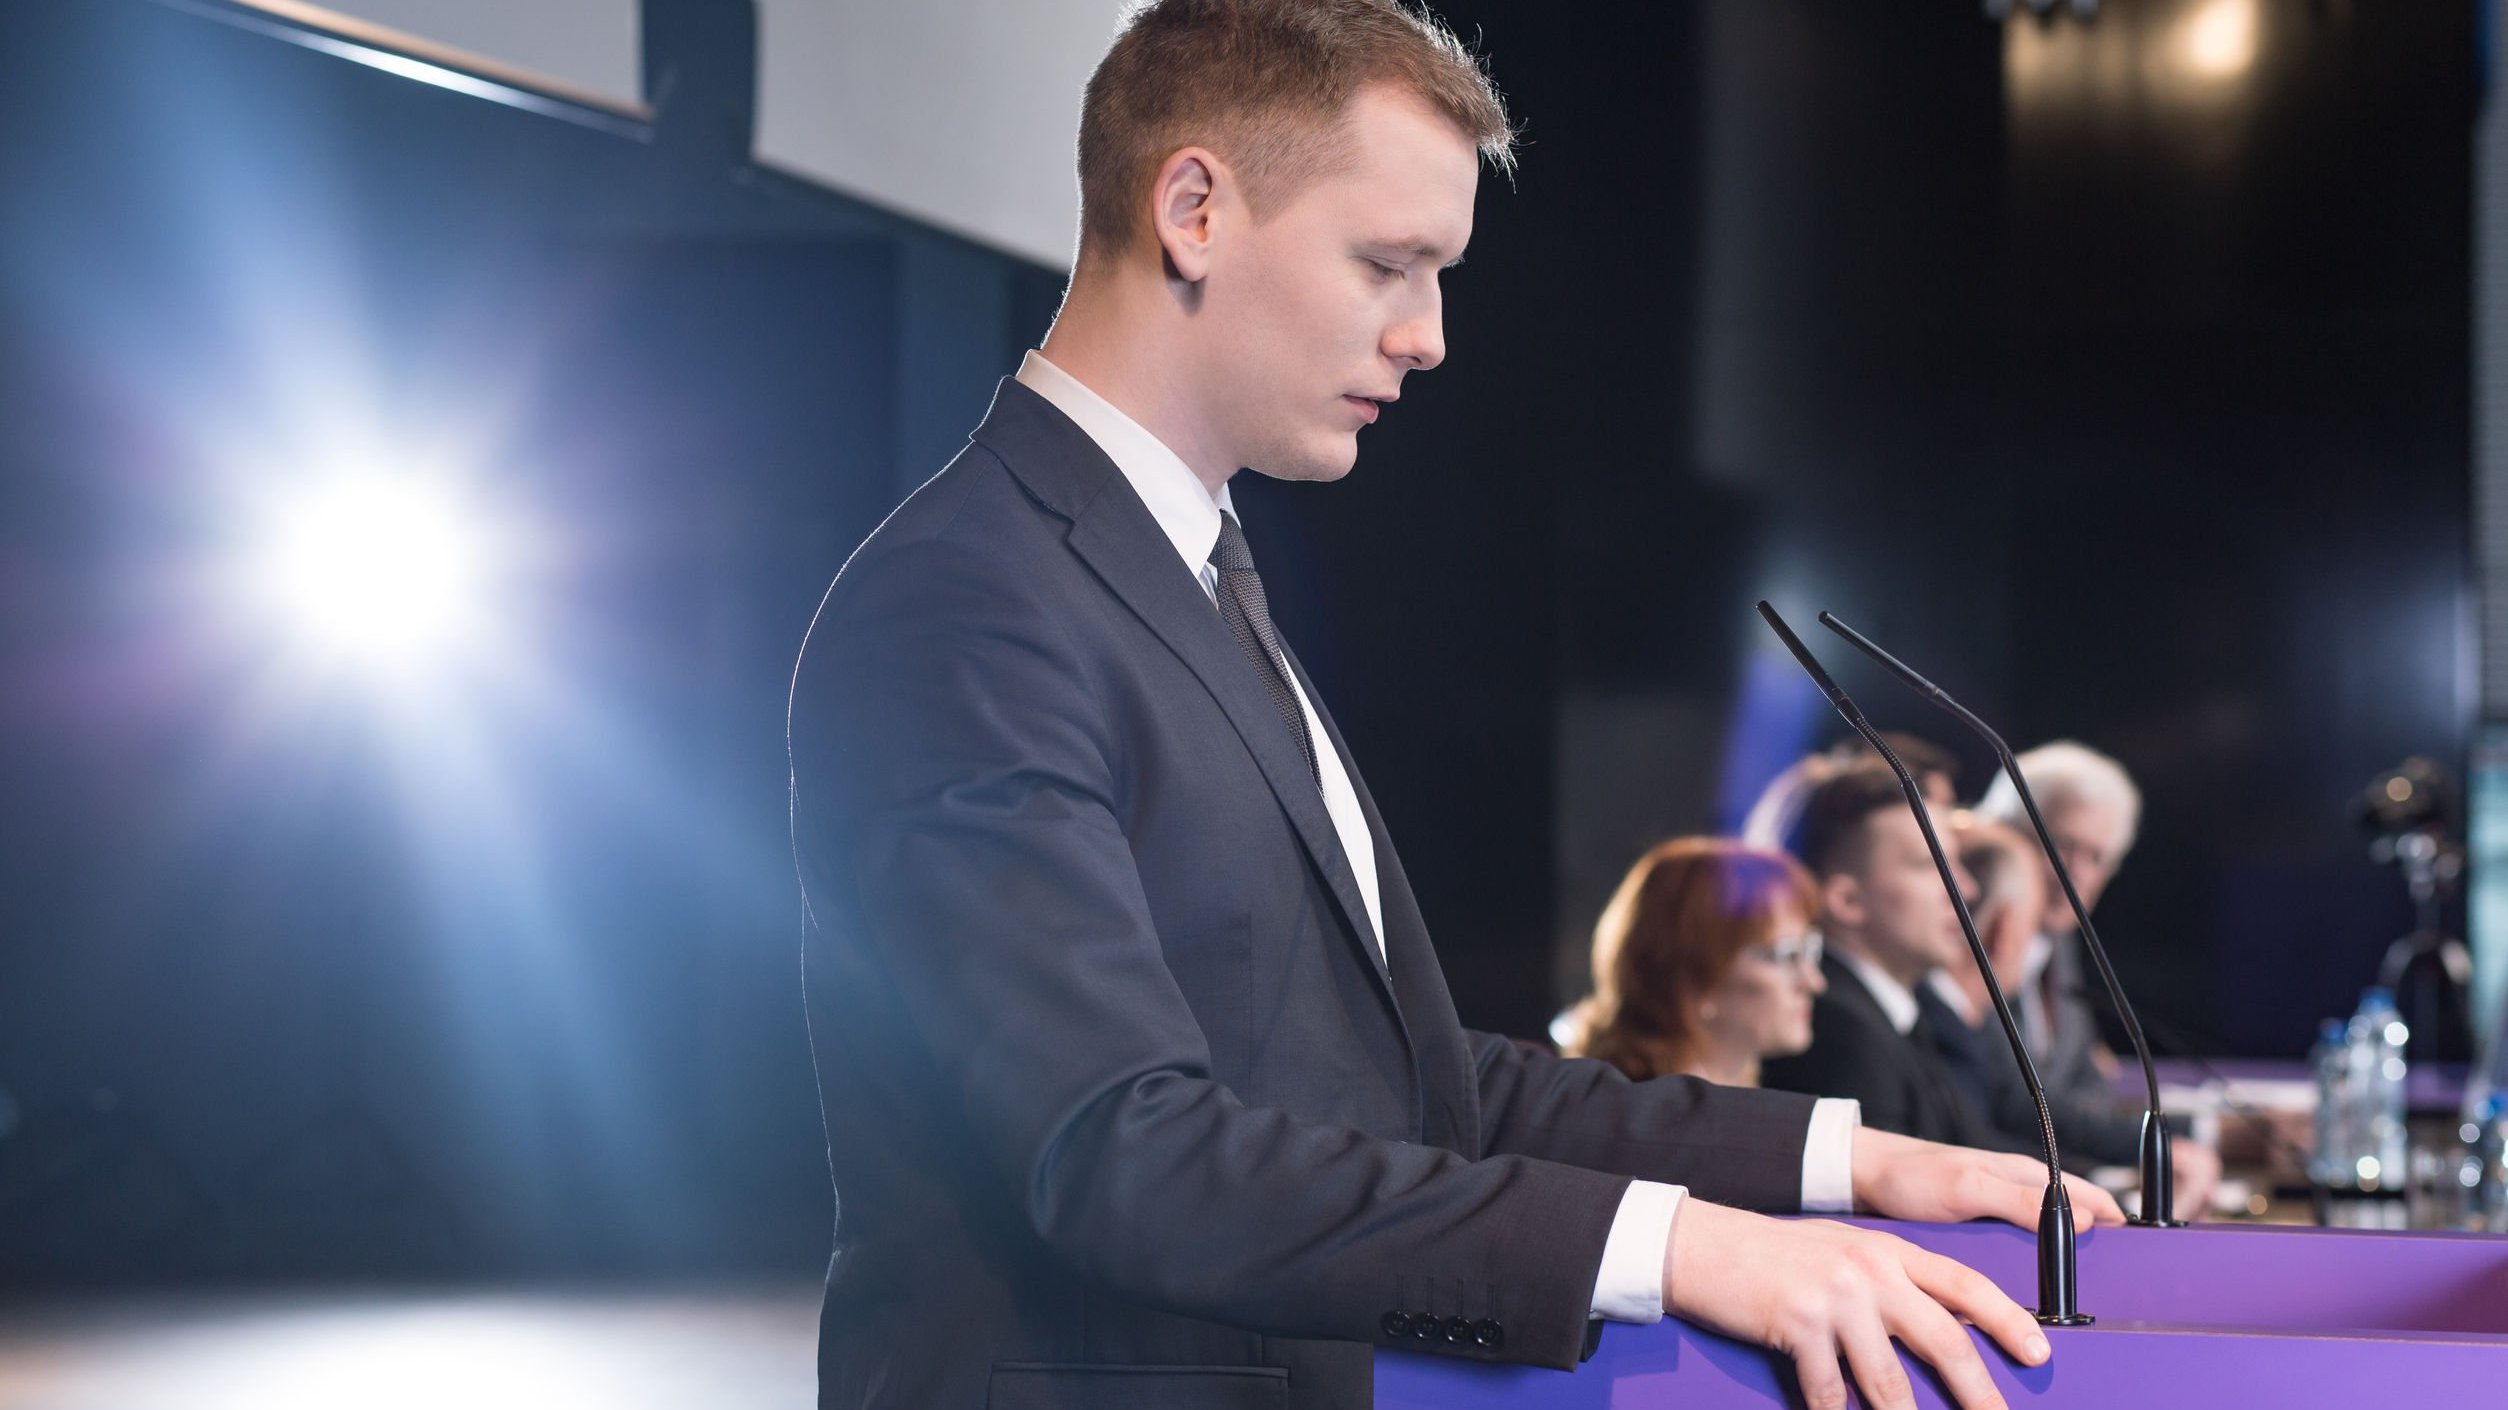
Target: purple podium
2216	1315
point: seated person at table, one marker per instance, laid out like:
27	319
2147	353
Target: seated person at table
2094	1129
1704	963
1888	924
2092	812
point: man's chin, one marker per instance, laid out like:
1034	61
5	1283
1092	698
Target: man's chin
1310	467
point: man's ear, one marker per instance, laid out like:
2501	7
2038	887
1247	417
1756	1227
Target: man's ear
1842	899
1184	210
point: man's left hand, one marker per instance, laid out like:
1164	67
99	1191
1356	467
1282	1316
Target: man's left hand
1900	1177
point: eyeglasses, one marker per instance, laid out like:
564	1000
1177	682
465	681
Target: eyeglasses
1786	951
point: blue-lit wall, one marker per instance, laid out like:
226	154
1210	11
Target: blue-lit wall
493	964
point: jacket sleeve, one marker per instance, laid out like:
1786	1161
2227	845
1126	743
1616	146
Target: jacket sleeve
1738	1146
956	827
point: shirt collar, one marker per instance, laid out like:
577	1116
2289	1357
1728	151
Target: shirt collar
1186	512
2034	960
1948	991
1898	1005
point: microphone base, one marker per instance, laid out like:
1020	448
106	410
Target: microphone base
2159	1177
2059	1295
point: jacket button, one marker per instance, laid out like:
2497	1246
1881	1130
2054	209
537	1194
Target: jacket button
1489	1334
1424	1327
1396	1325
1458	1330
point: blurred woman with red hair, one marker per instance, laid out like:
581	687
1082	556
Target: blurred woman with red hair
1704	963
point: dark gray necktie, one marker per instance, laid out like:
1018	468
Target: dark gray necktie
1248	616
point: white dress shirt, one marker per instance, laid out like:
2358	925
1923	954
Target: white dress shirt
1629	1287
1948	991
1897	1001
2037	1023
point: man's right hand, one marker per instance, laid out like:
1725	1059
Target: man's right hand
1823	1293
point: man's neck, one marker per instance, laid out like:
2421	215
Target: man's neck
1908	972
1114	342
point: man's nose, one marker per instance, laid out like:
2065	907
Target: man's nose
1420	341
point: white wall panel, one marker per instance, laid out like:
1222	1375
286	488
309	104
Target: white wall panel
586	44
962	113
959	112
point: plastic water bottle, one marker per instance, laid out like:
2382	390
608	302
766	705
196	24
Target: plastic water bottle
2485	1173
2377	1035
2333	1165
2360	1170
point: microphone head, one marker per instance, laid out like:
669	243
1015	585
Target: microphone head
1810	663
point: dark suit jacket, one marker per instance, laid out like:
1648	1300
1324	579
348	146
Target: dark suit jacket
1898	1077
1122	1107
2090	1131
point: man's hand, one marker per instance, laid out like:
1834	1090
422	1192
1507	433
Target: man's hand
2278	1140
1900	1177
2197	1169
1821	1293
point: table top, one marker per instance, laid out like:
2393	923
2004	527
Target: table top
2287	1083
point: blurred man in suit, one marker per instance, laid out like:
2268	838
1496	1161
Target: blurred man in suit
1142	1085
1889	926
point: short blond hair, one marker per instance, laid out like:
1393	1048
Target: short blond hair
1266	84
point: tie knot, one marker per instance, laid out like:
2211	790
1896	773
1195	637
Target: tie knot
1230	555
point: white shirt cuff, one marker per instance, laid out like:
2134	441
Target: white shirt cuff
1829	1156
1630	1286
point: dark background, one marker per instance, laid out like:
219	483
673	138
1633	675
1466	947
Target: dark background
2132	414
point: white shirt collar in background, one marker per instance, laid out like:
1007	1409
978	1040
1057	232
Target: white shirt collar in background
1948	991
1898	1005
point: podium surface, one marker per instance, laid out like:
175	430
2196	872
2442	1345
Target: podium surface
2207	1316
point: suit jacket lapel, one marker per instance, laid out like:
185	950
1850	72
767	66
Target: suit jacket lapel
1848	987
1447	1084
1940	1110
1406	948
1114	533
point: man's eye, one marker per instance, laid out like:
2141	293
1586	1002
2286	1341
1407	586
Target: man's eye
1381	271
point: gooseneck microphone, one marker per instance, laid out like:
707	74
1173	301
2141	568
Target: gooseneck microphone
2058	1273
2159	1178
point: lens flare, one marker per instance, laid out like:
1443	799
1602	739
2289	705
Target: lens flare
387	571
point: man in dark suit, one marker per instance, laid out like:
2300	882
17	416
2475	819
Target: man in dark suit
1888	925
1142	1084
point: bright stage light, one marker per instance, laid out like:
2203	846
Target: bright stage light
2219	40
391	571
